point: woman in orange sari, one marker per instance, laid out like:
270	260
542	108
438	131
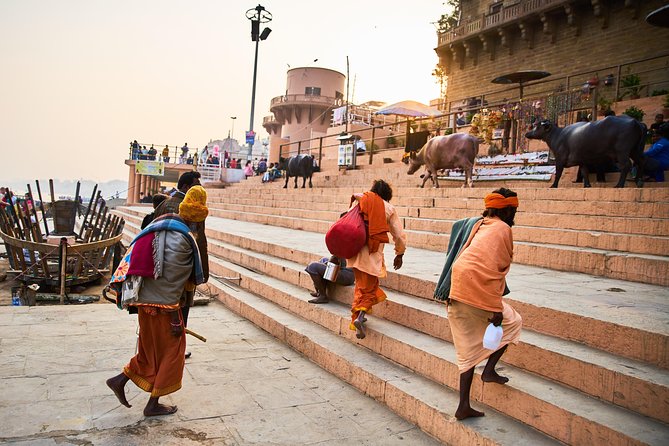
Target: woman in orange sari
154	271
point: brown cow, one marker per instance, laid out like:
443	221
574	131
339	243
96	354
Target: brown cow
457	151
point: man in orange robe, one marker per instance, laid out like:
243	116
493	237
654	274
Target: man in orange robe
477	283
369	264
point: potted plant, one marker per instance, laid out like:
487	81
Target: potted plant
631	85
604	105
392	142
635	112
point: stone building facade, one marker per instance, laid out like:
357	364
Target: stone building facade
573	40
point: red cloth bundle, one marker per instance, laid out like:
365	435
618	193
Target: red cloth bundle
348	235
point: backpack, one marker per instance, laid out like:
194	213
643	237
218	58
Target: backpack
348	235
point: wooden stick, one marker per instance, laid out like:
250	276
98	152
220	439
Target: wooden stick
34	214
41	206
53	196
88	209
192	333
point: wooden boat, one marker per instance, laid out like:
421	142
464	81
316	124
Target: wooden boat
73	251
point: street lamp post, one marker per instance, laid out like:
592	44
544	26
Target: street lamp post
257	16
232	132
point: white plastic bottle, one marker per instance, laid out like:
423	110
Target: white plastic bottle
492	337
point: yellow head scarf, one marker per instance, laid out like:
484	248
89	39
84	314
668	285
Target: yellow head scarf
193	208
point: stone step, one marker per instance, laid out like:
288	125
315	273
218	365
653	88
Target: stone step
529	193
638	244
617	265
596	312
574	417
413	397
626	383
423	207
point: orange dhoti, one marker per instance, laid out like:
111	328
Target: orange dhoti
159	363
367	294
468	325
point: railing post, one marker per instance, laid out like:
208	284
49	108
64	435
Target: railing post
320	152
299	147
618	82
63	268
371	145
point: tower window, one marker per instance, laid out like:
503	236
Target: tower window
312	91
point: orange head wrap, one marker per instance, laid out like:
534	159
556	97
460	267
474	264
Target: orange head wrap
498	201
193	208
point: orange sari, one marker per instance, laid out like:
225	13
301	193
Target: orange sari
367	294
159	363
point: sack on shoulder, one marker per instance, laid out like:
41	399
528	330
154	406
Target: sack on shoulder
348	235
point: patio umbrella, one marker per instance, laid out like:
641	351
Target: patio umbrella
412	109
659	17
520	77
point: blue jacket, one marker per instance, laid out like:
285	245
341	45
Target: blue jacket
660	152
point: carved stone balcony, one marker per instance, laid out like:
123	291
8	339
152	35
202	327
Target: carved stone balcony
508	14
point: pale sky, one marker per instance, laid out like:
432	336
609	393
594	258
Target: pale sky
80	79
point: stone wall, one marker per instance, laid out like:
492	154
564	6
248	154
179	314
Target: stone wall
564	52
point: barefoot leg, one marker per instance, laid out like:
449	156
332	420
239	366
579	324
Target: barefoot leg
154	408
489	374
117	384
359	325
464	408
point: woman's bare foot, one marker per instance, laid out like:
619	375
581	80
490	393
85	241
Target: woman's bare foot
467	412
493	377
154	408
117	384
359	329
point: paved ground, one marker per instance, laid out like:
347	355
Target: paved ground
242	387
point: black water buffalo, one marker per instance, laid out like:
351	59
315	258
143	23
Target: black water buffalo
457	151
298	166
616	138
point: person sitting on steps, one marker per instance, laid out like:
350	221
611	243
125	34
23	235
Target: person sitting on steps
316	271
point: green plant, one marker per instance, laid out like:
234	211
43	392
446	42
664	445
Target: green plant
391	141
659	92
665	104
448	131
631	85
604	104
635	112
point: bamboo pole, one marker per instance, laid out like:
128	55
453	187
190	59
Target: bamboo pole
63	268
53	196
41	207
34	214
88	209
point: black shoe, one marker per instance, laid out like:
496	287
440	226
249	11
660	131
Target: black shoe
187	355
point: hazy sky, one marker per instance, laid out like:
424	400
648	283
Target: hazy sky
80	79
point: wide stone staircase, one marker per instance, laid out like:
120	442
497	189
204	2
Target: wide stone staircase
590	279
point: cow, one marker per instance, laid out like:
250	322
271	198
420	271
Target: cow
457	151
298	166
616	138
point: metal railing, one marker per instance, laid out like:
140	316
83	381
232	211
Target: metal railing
306	98
653	71
174	155
209	172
